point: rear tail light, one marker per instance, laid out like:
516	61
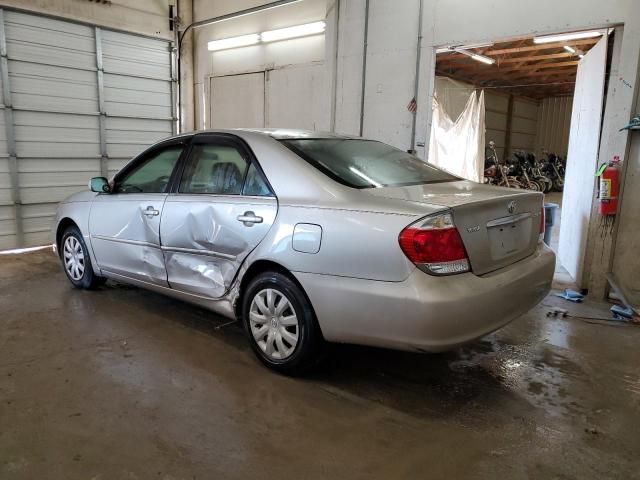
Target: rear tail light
435	246
542	223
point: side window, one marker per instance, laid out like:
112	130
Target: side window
218	169
255	185
152	175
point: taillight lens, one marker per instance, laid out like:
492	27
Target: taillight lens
435	246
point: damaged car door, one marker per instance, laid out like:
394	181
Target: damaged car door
221	209
125	223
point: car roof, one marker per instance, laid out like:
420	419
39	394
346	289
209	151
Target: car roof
277	133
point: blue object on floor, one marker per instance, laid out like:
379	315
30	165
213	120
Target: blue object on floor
571	295
621	311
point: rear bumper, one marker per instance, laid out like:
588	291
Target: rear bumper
427	313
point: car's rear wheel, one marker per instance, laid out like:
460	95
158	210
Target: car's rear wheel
76	261
281	325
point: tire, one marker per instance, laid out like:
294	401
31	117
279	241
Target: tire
558	184
302	345
76	262
535	186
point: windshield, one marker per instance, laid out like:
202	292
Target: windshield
366	163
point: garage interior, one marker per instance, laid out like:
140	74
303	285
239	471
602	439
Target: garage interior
529	95
126	383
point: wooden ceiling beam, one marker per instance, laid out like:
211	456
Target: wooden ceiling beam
498	72
540	46
459	63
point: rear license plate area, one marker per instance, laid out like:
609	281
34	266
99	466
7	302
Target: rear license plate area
509	239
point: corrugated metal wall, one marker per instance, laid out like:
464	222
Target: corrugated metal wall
495	120
554	123
84	100
523	122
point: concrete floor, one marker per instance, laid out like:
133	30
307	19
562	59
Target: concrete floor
125	384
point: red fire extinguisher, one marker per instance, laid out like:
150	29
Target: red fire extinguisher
609	184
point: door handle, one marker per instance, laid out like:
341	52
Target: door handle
249	218
151	212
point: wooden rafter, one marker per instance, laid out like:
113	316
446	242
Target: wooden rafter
521	68
541	46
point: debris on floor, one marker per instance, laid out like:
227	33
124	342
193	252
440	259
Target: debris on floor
571	295
619	314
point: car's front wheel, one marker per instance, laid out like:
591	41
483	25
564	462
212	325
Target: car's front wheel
281	325
76	261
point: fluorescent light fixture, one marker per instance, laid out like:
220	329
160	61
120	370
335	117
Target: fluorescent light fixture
293	32
483	59
476	56
233	42
452	48
563	37
569	49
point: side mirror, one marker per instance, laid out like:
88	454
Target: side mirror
99	185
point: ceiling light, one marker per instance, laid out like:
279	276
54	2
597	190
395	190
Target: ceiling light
233	42
293	32
452	48
566	36
569	49
476	56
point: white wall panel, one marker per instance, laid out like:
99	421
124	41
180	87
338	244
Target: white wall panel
582	160
238	101
292	100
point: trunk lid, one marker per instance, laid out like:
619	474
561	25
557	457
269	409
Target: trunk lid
499	226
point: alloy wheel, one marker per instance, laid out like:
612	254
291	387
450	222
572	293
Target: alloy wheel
73	258
274	324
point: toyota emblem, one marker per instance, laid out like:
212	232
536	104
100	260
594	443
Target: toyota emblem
511	206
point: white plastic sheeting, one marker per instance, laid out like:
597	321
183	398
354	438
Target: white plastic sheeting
457	146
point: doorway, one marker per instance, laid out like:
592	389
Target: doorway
544	98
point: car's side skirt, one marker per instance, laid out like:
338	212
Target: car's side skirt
222	306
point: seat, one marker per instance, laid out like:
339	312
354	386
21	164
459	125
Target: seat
226	178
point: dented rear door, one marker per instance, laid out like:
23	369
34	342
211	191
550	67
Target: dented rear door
205	240
220	211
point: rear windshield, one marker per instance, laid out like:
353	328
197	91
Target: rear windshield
366	163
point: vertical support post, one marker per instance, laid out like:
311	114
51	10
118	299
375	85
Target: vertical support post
174	87
334	77
102	119
10	133
417	78
507	133
364	64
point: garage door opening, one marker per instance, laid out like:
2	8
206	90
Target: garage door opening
543	99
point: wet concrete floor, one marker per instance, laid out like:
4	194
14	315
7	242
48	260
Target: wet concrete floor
121	383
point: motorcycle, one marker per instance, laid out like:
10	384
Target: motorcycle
546	184
522	171
497	174
554	170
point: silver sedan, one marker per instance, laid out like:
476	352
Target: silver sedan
311	238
